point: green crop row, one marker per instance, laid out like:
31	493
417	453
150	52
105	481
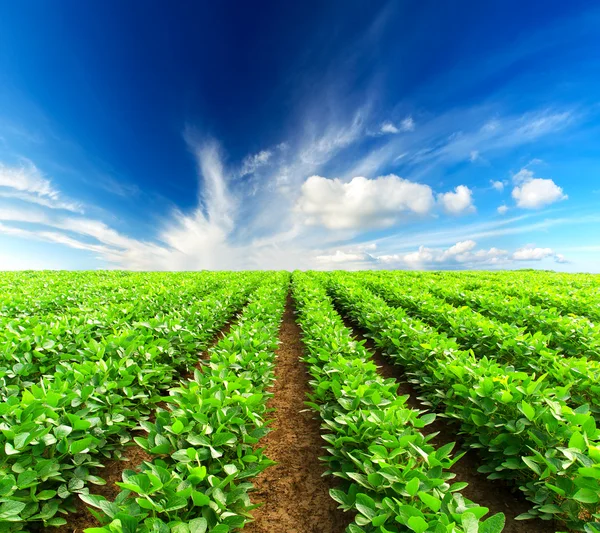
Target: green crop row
574	336
44	294
523	428
30	352
394	479
205	442
502	341
544	291
55	434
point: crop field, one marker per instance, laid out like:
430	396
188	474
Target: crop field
389	402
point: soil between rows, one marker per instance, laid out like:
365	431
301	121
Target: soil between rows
294	494
496	495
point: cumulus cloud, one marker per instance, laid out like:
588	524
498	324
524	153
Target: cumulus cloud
26	183
503	209
458	202
362	203
560	258
462	253
388	127
532	253
497	185
345	257
534	193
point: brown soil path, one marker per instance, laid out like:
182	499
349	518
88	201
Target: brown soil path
295	496
496	495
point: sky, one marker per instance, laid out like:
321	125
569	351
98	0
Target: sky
313	135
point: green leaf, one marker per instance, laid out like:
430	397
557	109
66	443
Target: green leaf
177	427
366	505
527	410
589	472
198	525
200	499
78	446
10	508
494	524
62	431
577	440
412	487
586	496
46	494
20	440
417	524
469	522
431	501
533	465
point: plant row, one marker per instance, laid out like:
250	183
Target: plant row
35	294
30	352
56	433
505	342
394	480
523	428
573	335
566	298
205	443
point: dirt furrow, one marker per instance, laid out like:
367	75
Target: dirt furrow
294	494
496	495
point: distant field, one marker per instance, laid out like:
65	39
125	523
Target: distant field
157	402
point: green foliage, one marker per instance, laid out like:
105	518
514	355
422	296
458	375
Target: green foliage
526	430
394	479
81	391
205	443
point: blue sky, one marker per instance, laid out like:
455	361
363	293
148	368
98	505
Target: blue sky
341	134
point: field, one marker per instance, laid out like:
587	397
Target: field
437	402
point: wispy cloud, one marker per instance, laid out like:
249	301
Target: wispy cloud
25	182
252	162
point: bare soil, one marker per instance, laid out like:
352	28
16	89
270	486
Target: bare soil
496	495
294	494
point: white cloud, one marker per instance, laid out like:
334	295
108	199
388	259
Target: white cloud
408	124
463	253
345	257
532	253
534	193
529	253
26	178
461	247
503	209
321	143
458	202
362	203
497	185
388	127
252	162
26	183
560	258
474	156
